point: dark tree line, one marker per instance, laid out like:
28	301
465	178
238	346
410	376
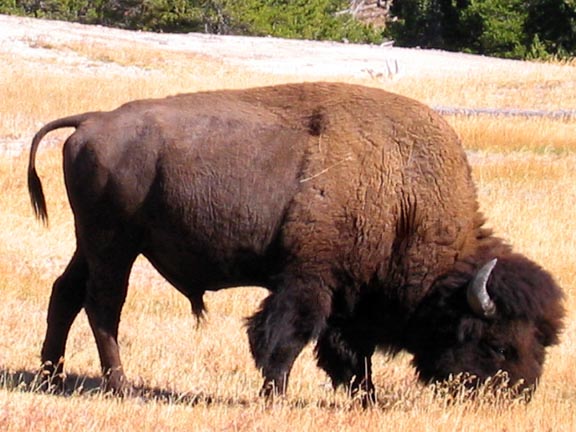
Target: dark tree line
505	28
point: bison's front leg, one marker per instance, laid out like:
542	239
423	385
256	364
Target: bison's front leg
345	355
288	319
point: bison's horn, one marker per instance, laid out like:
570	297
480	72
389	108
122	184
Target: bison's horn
478	297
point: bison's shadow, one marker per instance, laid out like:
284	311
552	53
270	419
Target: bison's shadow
27	381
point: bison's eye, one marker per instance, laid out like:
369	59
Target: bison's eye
500	352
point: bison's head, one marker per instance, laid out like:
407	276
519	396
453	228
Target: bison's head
483	322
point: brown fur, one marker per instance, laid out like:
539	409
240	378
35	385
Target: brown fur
354	206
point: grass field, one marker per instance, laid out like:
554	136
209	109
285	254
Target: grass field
204	378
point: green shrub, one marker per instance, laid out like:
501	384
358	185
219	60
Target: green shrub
495	27
551	25
503	28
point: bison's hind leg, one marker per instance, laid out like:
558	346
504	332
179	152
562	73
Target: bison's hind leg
345	355
288	319
107	287
66	301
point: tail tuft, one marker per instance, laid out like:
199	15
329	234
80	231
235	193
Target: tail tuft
37	196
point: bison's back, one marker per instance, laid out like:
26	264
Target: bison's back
333	177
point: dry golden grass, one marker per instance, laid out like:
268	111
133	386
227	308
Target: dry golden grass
69	87
530	89
204	379
505	135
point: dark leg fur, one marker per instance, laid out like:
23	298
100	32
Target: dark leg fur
346	358
66	301
106	293
288	319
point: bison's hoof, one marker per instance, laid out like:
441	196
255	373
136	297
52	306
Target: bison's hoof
271	390
54	384
115	383
50	378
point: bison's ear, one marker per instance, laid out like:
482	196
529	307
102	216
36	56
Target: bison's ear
469	330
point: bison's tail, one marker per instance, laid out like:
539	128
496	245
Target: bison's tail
34	183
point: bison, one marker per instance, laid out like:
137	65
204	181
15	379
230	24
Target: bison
353	206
